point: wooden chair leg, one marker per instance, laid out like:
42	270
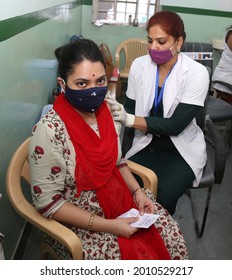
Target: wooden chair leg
47	251
119	88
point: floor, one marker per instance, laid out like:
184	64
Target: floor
216	242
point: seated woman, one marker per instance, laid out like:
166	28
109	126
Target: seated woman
78	177
223	71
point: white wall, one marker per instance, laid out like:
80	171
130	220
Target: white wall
219	5
13	8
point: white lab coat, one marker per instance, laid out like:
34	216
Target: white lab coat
223	71
187	83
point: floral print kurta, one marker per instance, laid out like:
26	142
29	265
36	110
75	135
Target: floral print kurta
52	166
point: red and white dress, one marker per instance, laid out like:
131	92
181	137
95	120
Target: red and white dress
52	160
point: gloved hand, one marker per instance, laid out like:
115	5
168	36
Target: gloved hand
119	113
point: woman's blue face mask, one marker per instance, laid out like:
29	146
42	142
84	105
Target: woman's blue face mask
87	100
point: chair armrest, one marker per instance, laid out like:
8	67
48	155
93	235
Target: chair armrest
148	177
229	86
53	228
117	59
219	150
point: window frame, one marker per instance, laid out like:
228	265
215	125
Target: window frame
96	10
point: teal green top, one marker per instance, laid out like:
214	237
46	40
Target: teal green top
161	127
172	126
161	154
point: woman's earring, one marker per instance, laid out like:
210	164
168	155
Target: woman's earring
62	89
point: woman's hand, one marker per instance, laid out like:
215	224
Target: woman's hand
144	203
122	227
119	113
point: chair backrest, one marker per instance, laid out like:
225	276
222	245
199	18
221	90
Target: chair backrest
108	60
18	167
201	52
229	86
129	50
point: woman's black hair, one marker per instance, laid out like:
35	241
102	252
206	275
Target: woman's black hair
229	32
74	53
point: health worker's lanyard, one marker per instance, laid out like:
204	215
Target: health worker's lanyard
159	94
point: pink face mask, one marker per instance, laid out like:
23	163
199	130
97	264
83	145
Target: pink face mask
161	56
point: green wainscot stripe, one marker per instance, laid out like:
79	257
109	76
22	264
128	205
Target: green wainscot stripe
87	2
194	11
13	26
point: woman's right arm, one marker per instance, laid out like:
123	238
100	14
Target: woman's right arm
47	166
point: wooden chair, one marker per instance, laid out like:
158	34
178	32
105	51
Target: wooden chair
125	54
19	169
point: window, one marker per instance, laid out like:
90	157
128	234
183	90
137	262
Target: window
122	12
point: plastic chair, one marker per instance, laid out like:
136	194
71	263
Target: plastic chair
19	169
125	54
213	171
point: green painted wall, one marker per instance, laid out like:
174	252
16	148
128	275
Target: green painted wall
202	25
28	75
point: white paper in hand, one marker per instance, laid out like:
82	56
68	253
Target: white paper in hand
144	221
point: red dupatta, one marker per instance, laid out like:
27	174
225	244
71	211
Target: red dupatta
96	169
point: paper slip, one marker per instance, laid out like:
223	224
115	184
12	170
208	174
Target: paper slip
144	221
